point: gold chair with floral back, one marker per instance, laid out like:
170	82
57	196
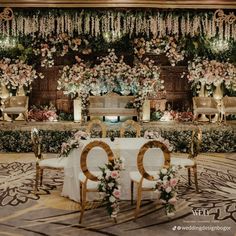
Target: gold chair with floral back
97	122
89	180
16	105
41	163
190	162
146	181
128	124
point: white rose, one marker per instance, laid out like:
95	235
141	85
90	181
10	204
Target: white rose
168	189
112	199
163	171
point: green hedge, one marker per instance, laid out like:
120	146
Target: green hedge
222	139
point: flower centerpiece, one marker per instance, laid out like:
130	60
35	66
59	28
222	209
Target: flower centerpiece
166	186
109	185
16	74
211	73
72	78
43	113
112	75
73	142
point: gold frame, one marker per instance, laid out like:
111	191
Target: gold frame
6	14
98	123
88	174
130	123
144	174
230	4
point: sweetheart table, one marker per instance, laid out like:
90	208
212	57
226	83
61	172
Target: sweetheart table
127	148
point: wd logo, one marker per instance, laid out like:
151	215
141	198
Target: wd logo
200	212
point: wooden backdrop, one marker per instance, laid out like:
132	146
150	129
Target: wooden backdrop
178	92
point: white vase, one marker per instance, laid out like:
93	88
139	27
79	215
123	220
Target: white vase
77	110
4	94
218	95
202	93
20	92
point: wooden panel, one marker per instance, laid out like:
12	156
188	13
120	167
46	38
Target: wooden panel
210	4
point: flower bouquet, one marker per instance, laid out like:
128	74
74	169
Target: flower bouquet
109	185
166	186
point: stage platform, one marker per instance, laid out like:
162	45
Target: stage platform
71	126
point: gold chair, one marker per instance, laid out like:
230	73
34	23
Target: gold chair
89	180
41	164
16	105
128	124
97	122
206	106
190	162
228	107
146	181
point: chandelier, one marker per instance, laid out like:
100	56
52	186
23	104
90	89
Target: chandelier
7	14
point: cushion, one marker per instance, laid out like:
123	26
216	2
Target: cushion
136	176
181	161
14	110
206	110
54	162
90	184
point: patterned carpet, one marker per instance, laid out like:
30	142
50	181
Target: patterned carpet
211	212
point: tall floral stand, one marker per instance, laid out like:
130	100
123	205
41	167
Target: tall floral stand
202	93
218	95
146	110
20	92
77	110
4	95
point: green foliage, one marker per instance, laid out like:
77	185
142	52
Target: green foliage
222	139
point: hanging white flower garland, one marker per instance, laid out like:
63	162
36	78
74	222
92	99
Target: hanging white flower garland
132	23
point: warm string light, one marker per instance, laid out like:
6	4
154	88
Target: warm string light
7	43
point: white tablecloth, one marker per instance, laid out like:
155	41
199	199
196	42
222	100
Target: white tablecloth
127	148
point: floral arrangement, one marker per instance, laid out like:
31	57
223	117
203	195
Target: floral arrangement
73	142
169	45
156	135
43	113
109	185
166	186
112	75
211	73
72	78
16	74
58	45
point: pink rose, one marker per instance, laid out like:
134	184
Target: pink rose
116	193
173	182
172	201
114	174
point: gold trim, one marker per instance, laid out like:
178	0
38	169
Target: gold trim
127	125
143	150
7	14
230	4
221	17
97	122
